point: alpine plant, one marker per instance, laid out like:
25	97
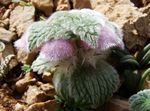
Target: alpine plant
140	101
76	44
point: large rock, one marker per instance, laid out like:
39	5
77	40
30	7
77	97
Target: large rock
23	83
134	22
62	5
20	18
6	35
44	5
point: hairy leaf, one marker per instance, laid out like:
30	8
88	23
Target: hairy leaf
87	86
140	101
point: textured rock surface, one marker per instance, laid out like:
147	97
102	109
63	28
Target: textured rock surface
9	50
6	35
34	94
22	84
5	2
25	58
135	23
44	5
47	77
48	89
7	102
79	4
43	106
20	18
61	5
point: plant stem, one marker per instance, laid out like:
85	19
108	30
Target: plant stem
144	75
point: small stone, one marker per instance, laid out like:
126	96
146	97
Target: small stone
25	58
20	18
44	5
19	107
62	5
6	35
4	23
47	77
5	2
34	94
79	4
43	106
48	89
22	84
6	14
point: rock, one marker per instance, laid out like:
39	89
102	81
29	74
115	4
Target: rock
146	2
79	4
5	2
134	23
19	107
6	14
7	102
48	89
4	23
62	5
139	30
47	77
20	18
22	84
43	106
44	5
6	35
117	105
112	11
34	94
2	11
9	50
25	58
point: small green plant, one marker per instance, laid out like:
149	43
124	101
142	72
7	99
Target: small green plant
134	69
140	101
26	68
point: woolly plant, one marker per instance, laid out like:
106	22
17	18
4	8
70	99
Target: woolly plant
76	43
140	101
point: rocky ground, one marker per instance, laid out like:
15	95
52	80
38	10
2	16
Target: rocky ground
22	91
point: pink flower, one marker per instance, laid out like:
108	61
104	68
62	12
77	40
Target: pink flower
55	50
22	43
108	39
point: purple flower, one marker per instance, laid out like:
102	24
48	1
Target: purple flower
55	50
22	43
108	39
